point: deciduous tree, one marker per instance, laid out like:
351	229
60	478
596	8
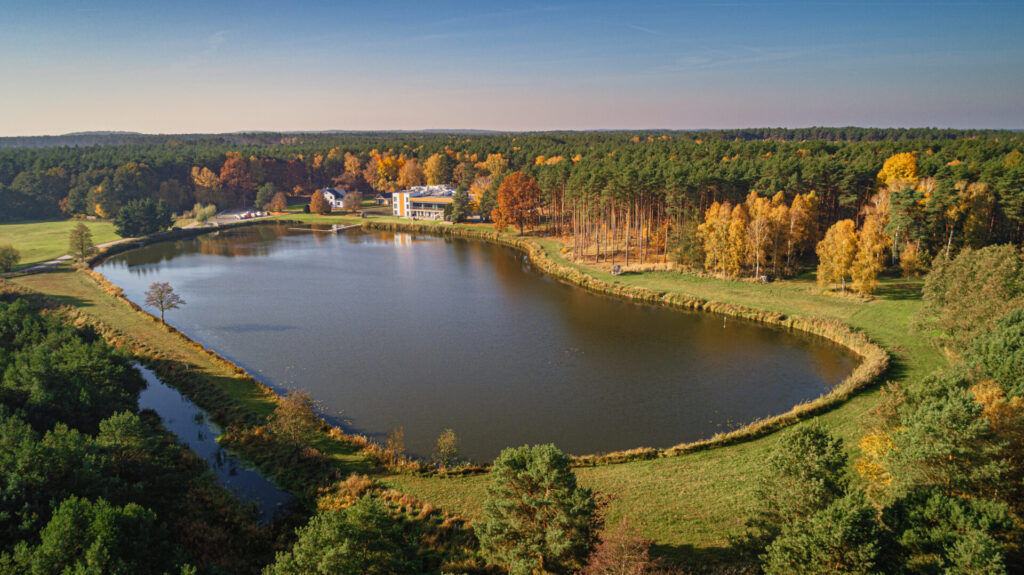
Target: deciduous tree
836	253
279	202
161	296
80	241
870	258
9	257
318	204
518	202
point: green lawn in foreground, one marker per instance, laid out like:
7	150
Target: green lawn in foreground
44	241
690	504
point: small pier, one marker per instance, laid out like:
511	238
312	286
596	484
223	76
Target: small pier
331	230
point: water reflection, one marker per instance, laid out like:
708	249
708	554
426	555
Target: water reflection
426	333
182	418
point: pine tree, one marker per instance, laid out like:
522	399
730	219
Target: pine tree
536	519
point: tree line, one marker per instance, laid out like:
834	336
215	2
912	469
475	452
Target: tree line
599	187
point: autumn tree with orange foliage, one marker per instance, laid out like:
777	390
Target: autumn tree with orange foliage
836	254
318	204
410	175
236	181
519	202
279	203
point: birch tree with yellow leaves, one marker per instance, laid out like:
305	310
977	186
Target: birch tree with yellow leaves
836	254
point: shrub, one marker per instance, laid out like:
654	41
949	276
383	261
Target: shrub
362	539
9	257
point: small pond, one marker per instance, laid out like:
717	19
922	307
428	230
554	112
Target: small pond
396	330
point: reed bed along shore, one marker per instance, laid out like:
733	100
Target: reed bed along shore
874	360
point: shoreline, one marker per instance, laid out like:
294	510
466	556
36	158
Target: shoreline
874	360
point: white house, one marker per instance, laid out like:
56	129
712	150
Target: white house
423	202
334	196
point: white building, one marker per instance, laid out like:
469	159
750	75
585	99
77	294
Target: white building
422	202
334	196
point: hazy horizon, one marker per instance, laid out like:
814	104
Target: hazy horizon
191	68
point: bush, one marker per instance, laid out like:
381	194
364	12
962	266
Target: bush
621	552
9	258
535	516
362	539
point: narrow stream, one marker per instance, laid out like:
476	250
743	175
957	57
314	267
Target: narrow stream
195	431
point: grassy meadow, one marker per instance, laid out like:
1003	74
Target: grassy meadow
43	241
689	504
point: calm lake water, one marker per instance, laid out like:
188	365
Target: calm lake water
424	333
194	430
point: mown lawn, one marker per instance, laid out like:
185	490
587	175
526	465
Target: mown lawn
43	241
690	505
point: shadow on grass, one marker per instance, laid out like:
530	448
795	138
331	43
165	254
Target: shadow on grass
47	301
704	560
899	291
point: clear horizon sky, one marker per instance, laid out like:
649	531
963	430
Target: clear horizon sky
210	67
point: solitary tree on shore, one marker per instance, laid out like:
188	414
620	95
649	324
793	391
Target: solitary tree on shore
80	241
161	296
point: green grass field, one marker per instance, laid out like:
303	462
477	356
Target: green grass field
44	241
688	505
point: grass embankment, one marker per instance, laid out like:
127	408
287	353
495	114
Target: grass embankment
43	241
214	384
688	504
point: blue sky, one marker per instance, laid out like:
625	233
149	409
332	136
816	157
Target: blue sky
176	67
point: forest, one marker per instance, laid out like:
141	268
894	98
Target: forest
621	197
88	484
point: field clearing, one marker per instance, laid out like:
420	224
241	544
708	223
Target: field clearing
43	241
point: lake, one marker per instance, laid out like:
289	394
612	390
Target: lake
392	330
